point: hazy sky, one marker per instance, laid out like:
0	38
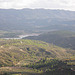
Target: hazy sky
49	4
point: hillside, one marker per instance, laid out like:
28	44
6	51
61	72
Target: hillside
21	52
36	20
64	39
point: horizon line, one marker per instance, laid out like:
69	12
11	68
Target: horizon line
36	9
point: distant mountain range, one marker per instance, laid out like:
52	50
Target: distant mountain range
37	20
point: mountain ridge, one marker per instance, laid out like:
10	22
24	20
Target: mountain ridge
60	38
36	20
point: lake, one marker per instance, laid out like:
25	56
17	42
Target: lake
23	36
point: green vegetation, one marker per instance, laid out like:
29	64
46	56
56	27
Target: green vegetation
47	64
19	56
44	66
20	52
65	39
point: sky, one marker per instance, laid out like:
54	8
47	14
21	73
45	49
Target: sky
47	4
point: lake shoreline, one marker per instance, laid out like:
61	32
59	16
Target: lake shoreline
22	36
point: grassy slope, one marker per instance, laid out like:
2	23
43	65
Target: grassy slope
22	52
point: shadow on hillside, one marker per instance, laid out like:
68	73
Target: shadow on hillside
62	72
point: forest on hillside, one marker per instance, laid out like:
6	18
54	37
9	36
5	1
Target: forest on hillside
19	56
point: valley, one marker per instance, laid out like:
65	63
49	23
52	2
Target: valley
37	42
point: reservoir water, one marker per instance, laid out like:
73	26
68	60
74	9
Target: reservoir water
22	36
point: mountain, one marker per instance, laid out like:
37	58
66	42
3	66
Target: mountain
36	20
22	52
31	57
65	39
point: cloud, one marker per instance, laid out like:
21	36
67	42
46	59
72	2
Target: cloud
49	4
15	3
55	4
